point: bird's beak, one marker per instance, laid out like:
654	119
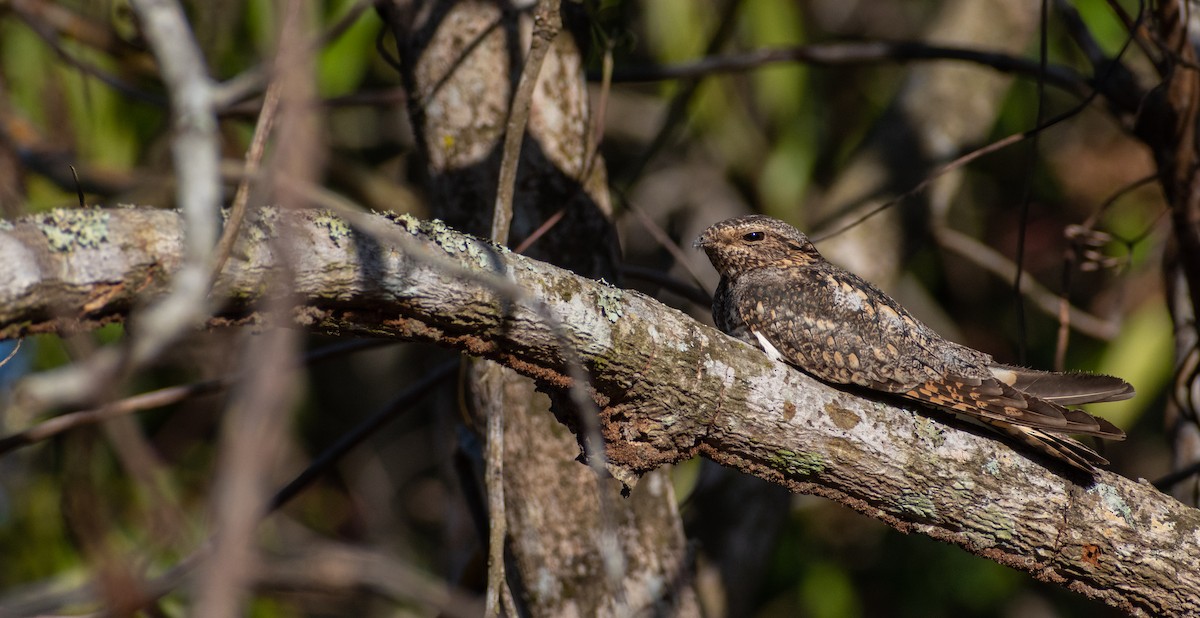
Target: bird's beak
699	242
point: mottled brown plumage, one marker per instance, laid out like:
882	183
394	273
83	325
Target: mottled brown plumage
778	293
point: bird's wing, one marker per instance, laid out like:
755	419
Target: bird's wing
836	327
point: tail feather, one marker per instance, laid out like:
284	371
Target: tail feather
1060	448
1011	406
1039	423
1064	388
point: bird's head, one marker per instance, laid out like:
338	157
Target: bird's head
739	245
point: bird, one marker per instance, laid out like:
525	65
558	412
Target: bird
778	293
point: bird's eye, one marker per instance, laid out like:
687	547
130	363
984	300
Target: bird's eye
753	237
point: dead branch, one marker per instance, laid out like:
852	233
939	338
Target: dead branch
668	388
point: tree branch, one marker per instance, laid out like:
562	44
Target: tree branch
668	388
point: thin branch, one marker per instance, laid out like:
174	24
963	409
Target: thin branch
254	154
12	354
1113	68
851	54
251	81
1077	236
671	284
1048	302
1027	193
66	22
154	399
663	239
388	580
321	565
546	25
363	430
29	14
195	153
677	108
489	380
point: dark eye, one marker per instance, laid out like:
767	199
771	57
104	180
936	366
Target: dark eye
753	237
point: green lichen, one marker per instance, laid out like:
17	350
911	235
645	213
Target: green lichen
1113	500
992	467
6	225
480	256
798	464
334	226
916	504
66	229
266	224
1000	527
445	236
411	224
610	301
932	432
475	250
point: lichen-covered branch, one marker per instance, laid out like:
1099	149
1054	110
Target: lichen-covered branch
668	387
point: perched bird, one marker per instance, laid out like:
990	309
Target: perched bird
778	293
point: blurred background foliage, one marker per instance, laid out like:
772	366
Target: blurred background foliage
77	88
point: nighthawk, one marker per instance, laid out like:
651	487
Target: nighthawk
778	293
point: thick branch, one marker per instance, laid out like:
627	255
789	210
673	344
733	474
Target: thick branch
668	388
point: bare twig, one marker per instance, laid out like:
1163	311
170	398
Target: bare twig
237	211
546	25
1110	70
155	399
489	384
249	82
1045	300
1027	194
252	436
30	13
323	566
195	153
1075	236
334	453
676	286
663	239
849	54
677	108
253	431
65	21
12	354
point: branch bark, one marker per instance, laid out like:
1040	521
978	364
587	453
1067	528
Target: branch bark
668	388
573	546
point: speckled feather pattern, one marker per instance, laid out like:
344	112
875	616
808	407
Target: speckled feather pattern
778	293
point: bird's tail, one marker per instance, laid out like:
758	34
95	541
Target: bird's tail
1057	447
1064	388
